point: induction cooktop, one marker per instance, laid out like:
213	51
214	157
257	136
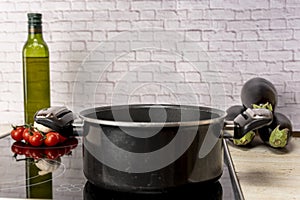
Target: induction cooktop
57	174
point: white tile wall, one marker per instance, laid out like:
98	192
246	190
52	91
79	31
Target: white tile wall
235	41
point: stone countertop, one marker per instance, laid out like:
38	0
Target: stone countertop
268	173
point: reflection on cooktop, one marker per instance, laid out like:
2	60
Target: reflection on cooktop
211	191
63	179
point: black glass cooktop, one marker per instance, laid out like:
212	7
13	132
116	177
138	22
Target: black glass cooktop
57	174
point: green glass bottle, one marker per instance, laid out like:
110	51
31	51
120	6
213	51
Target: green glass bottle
36	74
36	80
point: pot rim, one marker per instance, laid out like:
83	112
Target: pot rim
221	115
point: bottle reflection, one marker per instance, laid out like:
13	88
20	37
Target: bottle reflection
211	191
38	185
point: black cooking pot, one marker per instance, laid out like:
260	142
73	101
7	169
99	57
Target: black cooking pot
140	148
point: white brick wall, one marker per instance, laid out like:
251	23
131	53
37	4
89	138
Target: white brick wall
235	40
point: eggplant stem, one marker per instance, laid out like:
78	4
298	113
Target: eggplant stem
246	139
278	138
266	106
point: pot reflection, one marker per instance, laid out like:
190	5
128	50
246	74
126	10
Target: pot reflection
212	191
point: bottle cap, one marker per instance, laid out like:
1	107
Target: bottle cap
34	18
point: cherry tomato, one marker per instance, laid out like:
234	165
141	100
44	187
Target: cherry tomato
62	139
17	133
52	139
26	134
36	139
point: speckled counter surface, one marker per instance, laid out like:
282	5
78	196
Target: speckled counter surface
267	173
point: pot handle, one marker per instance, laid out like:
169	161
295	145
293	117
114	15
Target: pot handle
77	127
249	120
60	119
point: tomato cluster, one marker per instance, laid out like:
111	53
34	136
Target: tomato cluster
21	148
35	137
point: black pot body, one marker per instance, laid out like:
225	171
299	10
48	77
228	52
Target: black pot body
160	158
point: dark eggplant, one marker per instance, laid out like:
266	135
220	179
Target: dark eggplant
259	92
277	134
232	113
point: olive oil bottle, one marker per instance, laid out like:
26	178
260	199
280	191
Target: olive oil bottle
36	80
35	69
